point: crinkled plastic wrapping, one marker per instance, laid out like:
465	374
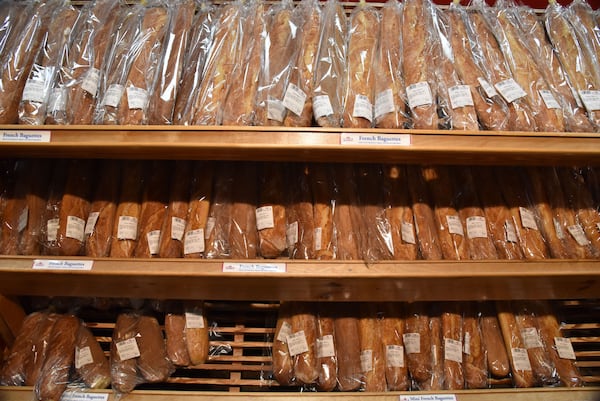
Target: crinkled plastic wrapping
271	219
91	364
347	214
280	47
48	60
588	30
14	208
525	220
419	77
321	183
574	55
399	213
175	338
347	347
418	344
372	352
87	61
201	36
197	229
536	39
238	109
299	96
153	363
330	69
11	15
475	366
50	219
491	108
498	364
326	355
282	365
456	107
437	381
164	93
35	199
389	108
391	323
490	59
18	59
244	238
172	233
539	95
196	331
217	235
219	65
452	337
362	41
299	213
304	328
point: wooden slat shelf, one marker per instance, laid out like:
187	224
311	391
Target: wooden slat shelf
310	280
305	144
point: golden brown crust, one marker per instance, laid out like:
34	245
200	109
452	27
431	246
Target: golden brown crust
175	339
474	361
347	346
95	373
124	372
372	354
419	363
243	235
304	319
327	363
283	368
197	337
320	181
199	206
173	229
347	214
392	330
153	363
104	202
272	238
452	332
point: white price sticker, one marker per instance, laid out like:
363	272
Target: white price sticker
549	99
322	106
291	234
34	91
527	218
394	356
591	99
510	90
487	87
127	349
23	219
412	343
137	98
58	100
453	350
194	241
91	222
177	228
531	338
113	95
408	233
127	227
564	348
366	360
362	107
194	320
460	96
455	225
578	234
384	103
275	110
294	99
264	218
297	343
83	356
75	228
52	229
284	332
90	81
325	347
419	94
560	234
510	234
476	227
317	238
153	238
520	359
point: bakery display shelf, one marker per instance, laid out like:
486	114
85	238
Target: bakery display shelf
299	144
267	280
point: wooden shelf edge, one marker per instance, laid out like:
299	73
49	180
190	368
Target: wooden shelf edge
309	280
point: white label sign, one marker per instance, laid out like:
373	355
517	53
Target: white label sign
153	238
297	343
531	338
362	108
83	356
348	138
564	348
460	96
194	320
91	222
113	95
127	228
322	106
428	397
75	228
591	99
510	90
284	332
36	136
453	350
177	228
487	87
325	347
194	241
229	267
137	98
275	110
419	94
549	99
521	359
90	81
527	218
127	349
412	343
79	395
264	218
476	227
509	231
366	360
408	233
578	234
291	234
46	264
384	103
394	356
455	225
294	99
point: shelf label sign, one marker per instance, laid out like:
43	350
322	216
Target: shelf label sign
46	264
25	136
229	267
428	397
82	396
348	138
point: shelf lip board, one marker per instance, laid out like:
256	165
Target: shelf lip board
305	144
309	280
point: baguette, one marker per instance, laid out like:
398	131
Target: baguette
283	367
217	236
474	357
50	218
392	331
497	356
91	364
123	365
347	348
300	224
196	230
196	332
437	381
346	214
304	326
175	339
39	350
320	181
586	23
153	363
372	356
175	221
326	353
452	328
243	235
14	208
270	214
417	343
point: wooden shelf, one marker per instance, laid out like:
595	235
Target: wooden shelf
303	144
309	280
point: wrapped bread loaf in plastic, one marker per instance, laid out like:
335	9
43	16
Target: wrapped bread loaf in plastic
196	332
475	366
302	343
243	234
322	189
219	217
283	368
372	354
452	335
91	365
197	227
347	346
417	343
347	214
300	224
491	334
327	359
175	221
392	331
270	213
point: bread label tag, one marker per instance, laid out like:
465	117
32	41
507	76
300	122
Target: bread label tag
394	356
560	234
294	99
47	264
384	103
322	106
291	234
113	95
510	90
264	218
412	343
487	87
549	99
153	238
75	228
408	233
317	238
78	395
350	138
419	94
429	397
91	222
52	229
564	348
137	98
83	356
177	228
510	235
23	218
194	320
325	347
36	136
275	109
284	332
467	344
127	227
362	107
476	227
366	360
229	267
453	350
210	225
460	96
297	343
57	100
127	349
520	359
591	99
531	338
90	81
527	218
455	225
577	232
38	85
194	241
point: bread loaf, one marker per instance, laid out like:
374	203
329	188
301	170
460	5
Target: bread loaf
31	236
14	206
347	348
326	354
347	213
392	331
586	23
91	364
124	353
126	225
39	349
475	367
283	367
51	214
270	214
103	207
217	236
153	363
320	181
175	339
497	356
304	326
301	228
417	343
196	230
453	348
243	235
436	381
372	354
196	332
175	221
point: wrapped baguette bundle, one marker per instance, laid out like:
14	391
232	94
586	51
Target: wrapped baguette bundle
300	219
330	69
304	352
153	362
322	189
452	335
270	212
417	344
347	348
283	368
50	217
36	93
12	19
372	354
491	334
390	93
198	228
91	365
475	366
243	234
123	354
586	24
438	365
392	330
176	342
196	332
219	220
347	214
363	39
326	354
